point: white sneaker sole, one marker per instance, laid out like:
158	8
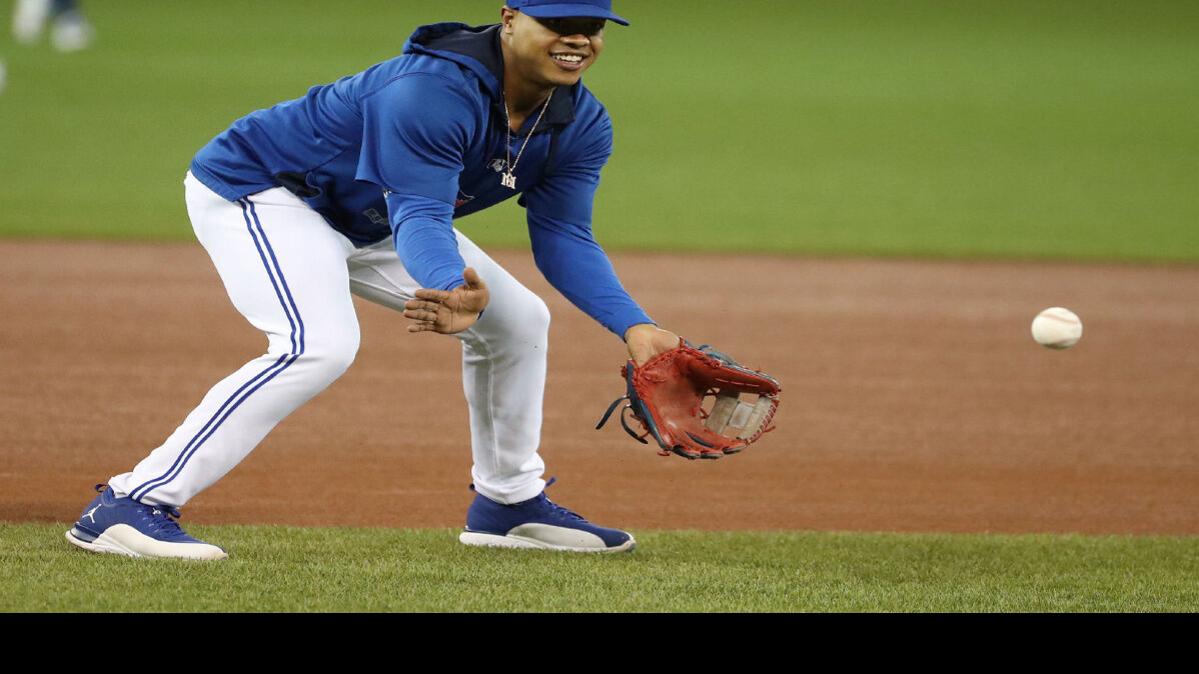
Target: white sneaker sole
496	541
122	539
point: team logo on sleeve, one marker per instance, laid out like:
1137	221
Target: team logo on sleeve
463	198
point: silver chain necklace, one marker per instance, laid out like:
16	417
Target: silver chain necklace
507	178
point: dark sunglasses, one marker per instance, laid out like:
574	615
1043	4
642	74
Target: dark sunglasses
574	26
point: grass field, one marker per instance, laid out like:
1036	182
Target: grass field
932	127
291	569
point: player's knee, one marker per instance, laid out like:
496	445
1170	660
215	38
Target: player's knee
529	320
538	316
520	319
331	354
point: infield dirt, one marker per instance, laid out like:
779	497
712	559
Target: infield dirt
914	397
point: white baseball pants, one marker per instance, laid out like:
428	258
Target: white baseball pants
291	275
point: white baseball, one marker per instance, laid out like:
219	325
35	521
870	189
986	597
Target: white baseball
1057	328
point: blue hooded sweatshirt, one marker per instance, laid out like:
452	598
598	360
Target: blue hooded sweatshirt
406	146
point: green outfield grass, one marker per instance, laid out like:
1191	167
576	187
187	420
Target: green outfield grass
915	127
292	569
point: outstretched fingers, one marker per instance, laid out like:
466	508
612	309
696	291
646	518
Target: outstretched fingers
422	305
426	313
448	311
432	294
421	315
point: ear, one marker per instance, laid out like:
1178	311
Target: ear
507	16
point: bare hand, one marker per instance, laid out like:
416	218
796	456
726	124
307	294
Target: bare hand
646	340
448	311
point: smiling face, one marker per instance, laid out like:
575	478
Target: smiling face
550	52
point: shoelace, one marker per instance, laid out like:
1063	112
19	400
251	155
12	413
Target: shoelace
552	507
545	504
555	508
159	518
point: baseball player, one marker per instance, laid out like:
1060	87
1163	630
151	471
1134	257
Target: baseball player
352	189
70	29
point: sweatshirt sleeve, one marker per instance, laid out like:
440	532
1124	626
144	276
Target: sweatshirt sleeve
559	216
415	133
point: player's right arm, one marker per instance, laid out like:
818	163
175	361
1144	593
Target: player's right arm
416	129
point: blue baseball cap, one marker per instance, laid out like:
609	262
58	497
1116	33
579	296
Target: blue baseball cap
556	9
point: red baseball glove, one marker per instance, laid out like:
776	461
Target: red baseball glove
669	395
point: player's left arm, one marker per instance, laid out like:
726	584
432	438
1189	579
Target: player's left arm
566	252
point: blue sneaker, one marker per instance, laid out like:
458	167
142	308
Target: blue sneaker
123	526
538	523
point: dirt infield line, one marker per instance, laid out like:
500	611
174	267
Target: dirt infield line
914	397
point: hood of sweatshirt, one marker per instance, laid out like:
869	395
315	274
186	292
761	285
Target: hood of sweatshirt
477	48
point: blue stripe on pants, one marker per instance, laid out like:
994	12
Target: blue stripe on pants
239	396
